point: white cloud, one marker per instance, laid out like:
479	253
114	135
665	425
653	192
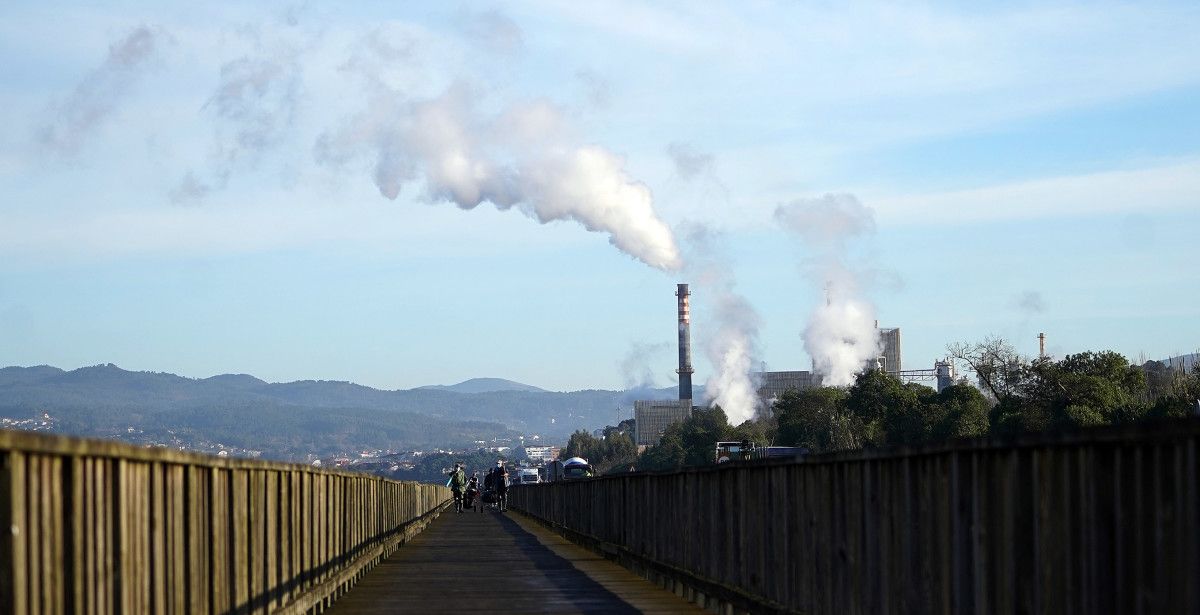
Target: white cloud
1174	187
868	73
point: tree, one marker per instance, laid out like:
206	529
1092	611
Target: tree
581	444
962	413
616	451
761	430
818	420
690	442
888	409
1177	392
997	367
700	434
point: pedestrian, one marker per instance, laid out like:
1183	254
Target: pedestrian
472	492
499	480
457	482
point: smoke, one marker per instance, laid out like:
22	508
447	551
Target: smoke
840	335
452	142
521	157
495	32
1030	302
732	345
732	351
689	161
98	94
597	89
637	366
254	105
637	370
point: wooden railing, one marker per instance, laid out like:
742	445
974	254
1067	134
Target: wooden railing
1103	521
101	527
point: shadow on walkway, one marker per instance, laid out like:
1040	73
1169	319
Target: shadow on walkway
471	561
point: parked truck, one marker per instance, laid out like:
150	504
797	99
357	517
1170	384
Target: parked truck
574	468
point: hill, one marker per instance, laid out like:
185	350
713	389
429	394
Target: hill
484	385
285	419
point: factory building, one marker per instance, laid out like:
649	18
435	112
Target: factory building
772	385
652	417
890	359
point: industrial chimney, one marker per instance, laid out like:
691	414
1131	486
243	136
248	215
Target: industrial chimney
685	343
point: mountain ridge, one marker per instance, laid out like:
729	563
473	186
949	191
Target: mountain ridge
105	399
484	385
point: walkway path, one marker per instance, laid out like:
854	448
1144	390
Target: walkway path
501	563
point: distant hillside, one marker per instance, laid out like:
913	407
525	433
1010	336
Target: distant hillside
1187	361
484	385
236	407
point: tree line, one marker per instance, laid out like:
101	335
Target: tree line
1010	395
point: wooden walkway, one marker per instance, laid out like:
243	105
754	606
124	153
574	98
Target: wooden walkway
495	562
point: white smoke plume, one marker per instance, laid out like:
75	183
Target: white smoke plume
452	142
254	105
840	335
523	157
495	32
97	95
689	161
638	367
1030	302
732	344
732	351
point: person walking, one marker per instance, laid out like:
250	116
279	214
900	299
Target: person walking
472	493
457	482
499	479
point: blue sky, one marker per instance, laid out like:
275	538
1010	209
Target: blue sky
192	187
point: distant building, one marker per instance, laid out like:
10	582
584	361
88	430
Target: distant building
890	359
652	417
541	454
772	385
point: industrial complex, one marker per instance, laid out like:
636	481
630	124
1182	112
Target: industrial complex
652	417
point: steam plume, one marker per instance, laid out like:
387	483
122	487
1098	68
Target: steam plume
840	335
521	157
255	105
637	370
689	161
1030	302
96	97
732	347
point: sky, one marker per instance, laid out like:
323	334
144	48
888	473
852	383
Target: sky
402	194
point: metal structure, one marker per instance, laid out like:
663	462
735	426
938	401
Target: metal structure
942	373
890	359
772	385
685	370
652	417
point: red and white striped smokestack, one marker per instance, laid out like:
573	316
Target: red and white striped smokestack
685	370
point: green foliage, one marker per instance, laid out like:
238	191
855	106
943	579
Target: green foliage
963	414
1015	395
818	420
1081	390
614	452
432	468
690	442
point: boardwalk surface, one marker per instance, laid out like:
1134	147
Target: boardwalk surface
499	563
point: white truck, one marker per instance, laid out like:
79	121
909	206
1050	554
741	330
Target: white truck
527	476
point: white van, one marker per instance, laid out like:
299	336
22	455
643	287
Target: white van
528	475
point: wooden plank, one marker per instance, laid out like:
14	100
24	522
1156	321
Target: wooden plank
56	520
36	542
273	497
156	544
14	590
